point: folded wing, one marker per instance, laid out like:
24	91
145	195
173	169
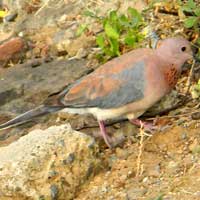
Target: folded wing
108	88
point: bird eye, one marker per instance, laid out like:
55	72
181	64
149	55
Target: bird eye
183	49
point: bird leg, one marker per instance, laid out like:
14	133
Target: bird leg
147	126
104	133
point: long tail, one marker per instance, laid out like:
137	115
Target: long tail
27	116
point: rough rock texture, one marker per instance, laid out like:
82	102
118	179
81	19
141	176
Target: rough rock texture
47	164
25	86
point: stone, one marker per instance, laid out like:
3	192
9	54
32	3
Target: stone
9	49
15	92
33	168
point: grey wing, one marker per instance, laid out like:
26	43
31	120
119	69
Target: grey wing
108	91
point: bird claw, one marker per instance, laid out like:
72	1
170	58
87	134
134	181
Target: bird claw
148	127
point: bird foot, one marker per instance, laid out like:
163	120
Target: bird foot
104	134
148	127
110	141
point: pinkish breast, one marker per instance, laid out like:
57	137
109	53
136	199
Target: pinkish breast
171	75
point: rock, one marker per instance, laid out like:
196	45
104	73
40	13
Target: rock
134	193
24	87
83	42
173	167
11	17
9	49
33	167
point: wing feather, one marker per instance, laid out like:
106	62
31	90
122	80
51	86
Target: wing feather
108	90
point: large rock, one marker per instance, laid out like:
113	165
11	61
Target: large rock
24	87
47	164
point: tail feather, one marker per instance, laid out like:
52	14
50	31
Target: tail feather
27	116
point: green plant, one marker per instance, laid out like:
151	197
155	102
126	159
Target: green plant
191	9
82	28
119	32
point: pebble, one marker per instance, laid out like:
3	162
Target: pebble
196	116
134	193
172	167
11	47
11	17
52	174
54	192
183	135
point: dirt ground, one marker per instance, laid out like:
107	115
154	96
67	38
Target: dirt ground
168	168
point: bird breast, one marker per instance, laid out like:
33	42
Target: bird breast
171	75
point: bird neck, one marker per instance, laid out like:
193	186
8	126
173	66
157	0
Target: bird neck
171	74
170	67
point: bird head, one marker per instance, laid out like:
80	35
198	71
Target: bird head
176	50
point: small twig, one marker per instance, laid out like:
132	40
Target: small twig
187	192
98	2
188	84
42	7
175	116
164	11
46	5
139	165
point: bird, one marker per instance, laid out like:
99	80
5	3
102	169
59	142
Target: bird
124	87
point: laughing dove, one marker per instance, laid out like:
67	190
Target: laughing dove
123	87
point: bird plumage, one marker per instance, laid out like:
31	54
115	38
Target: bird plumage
123	87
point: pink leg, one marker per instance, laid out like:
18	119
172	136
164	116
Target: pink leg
104	134
147	126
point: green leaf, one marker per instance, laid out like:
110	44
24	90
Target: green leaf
124	21
197	12
186	8
113	16
136	16
81	29
133	12
119	29
114	47
130	40
190	22
110	31
191	4
100	41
